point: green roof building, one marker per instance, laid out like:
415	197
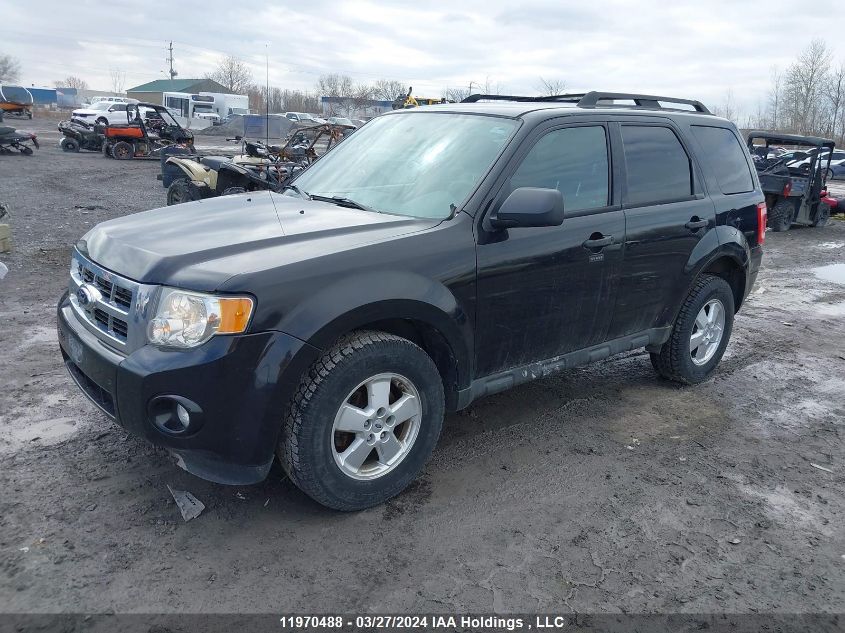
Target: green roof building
152	91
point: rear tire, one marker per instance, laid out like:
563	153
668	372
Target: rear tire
393	394
182	190
780	217
678	359
123	150
823	216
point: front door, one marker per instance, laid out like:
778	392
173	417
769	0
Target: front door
546	291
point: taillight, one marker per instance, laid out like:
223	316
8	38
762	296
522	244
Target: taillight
787	189
762	217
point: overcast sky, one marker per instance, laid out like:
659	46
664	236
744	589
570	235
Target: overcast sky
677	48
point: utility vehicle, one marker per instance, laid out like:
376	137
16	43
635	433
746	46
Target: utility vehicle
793	183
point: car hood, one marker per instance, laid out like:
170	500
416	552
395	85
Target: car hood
89	111
200	245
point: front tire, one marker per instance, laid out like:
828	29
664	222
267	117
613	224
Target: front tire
69	144
182	190
700	334
780	217
364	421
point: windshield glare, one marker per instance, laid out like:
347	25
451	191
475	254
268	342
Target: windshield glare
414	163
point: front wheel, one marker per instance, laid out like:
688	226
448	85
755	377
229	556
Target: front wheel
700	333
69	144
364	421
182	190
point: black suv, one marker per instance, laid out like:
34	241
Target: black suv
437	255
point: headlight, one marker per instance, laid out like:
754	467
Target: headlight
187	319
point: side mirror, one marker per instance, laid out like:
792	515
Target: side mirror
530	206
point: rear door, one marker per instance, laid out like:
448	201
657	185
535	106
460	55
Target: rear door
549	290
666	215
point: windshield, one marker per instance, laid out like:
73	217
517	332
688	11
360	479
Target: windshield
415	163
101	105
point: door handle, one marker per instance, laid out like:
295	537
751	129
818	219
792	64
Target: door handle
694	224
600	242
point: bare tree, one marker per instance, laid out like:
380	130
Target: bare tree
335	85
388	90
727	109
118	80
457	94
836	101
10	69
775	101
550	87
299	101
804	84
72	81
232	74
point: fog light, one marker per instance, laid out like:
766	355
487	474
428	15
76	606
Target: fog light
174	415
183	415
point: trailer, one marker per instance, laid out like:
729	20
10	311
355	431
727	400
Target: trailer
228	105
190	106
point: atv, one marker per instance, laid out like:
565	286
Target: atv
79	135
12	139
258	167
149	129
793	182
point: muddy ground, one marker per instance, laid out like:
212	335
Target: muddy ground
604	489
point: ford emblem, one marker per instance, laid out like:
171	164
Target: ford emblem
88	295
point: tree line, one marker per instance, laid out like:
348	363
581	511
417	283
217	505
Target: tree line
807	98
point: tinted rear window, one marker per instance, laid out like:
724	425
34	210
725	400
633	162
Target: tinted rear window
725	156
657	165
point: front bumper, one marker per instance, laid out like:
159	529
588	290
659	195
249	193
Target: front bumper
242	383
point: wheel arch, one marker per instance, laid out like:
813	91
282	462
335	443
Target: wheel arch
398	302
425	325
723	252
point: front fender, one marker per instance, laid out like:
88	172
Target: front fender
193	170
354	302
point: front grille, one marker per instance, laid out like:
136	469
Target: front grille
110	317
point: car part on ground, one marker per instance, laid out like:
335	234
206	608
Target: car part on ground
13	141
149	129
77	135
431	259
792	181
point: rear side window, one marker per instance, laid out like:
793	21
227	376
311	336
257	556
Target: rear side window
725	156
657	165
572	160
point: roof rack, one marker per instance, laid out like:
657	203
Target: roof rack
597	99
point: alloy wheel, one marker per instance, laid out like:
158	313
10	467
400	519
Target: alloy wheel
707	332
376	426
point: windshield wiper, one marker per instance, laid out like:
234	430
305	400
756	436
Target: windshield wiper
343	202
302	193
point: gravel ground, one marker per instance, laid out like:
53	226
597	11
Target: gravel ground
603	489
